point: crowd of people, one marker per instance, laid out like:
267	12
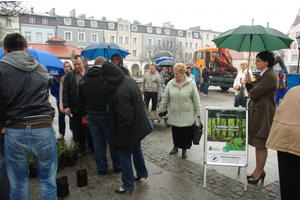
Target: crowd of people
109	101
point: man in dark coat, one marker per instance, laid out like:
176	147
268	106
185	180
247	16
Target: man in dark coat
128	123
92	100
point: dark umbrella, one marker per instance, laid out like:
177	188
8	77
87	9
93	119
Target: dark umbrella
107	50
53	64
167	63
162	54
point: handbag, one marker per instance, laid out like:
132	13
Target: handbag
197	131
148	117
240	98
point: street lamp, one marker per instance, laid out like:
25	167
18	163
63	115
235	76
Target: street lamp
298	41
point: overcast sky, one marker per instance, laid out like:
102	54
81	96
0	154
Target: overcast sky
218	15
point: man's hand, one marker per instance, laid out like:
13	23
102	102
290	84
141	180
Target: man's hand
67	111
62	110
141	92
85	119
158	95
3	131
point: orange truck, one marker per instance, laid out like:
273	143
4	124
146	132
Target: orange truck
218	61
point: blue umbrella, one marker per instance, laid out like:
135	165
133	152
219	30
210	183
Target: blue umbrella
103	49
162	59
53	64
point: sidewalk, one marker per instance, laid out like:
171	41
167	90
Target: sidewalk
170	176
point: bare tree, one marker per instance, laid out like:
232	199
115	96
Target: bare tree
169	44
11	9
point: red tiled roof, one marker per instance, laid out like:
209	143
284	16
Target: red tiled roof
62	52
56	39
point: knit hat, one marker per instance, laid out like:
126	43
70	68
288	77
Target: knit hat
112	73
281	71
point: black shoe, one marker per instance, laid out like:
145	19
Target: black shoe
184	154
136	178
102	173
262	178
122	191
173	151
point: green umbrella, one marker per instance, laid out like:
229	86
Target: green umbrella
257	37
253	38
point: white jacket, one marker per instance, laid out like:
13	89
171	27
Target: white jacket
238	83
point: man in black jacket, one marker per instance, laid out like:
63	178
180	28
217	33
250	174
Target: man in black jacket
93	99
27	115
128	123
70	96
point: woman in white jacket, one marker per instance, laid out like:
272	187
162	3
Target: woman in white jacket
238	86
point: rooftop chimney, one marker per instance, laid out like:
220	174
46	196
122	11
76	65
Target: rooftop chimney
72	13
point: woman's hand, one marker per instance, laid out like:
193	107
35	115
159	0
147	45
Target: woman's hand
247	78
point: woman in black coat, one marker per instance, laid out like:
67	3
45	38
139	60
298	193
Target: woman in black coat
128	123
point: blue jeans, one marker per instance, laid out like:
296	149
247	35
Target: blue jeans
280	94
126	163
205	85
100	133
19	145
4	183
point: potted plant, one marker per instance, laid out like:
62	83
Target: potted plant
71	154
61	154
32	167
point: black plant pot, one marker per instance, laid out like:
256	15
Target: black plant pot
62	163
32	170
81	177
62	186
71	160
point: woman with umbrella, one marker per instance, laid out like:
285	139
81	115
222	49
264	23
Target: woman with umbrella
261	111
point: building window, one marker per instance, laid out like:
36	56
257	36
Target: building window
186	56
120	26
7	22
134	40
294	46
191	45
294	57
94	37
180	44
93	24
149	42
134	53
189	34
81	47
28	36
190	55
180	33
67	21
158	30
39	38
49	36
80	22
68	36
134	28
126	40
81	37
297	34
126	27
149	29
31	20
149	54
186	45
215	36
196	35
120	39
207	36
196	45
111	25
45	21
112	38
167	31
158	42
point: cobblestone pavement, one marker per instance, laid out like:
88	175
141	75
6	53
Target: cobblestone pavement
170	176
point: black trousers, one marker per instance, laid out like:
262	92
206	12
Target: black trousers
61	121
153	97
289	175
78	131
